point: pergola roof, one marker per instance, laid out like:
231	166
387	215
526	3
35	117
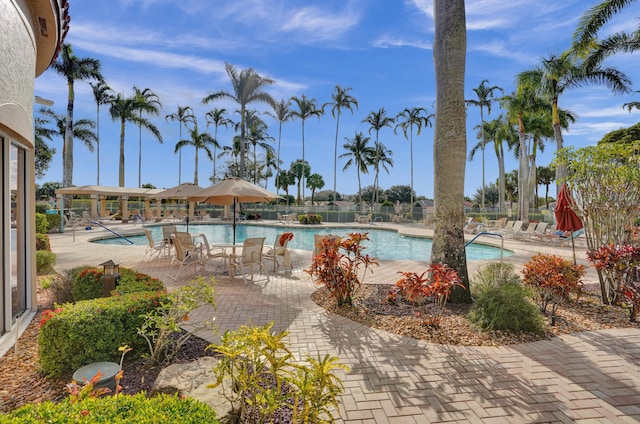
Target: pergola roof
109	191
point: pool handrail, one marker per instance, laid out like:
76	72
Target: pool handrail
110	230
487	233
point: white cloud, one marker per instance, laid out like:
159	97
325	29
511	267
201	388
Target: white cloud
386	41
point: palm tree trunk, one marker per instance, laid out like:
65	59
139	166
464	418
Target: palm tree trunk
335	158
67	150
140	153
523	177
98	144
450	143
121	161
501	179
483	142
411	158
242	135
195	173
302	178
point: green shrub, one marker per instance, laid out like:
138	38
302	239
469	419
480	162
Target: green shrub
87	284
502	303
42	242
54	222
90	331
42	224
45	260
42	207
132	281
111	409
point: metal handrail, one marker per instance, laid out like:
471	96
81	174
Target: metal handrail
110	230
486	233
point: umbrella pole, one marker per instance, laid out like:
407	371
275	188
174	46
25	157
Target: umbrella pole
573	247
234	220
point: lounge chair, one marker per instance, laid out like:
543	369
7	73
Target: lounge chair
184	258
525	234
155	247
279	249
292	218
540	231
562	237
251	257
280	217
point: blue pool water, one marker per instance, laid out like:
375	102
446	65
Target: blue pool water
382	244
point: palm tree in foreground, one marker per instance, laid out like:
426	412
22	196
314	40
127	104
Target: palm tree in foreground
247	89
148	102
218	119
199	140
377	121
406	120
73	69
341	99
183	115
360	155
306	109
102	94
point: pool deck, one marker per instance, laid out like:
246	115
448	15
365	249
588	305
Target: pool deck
590	377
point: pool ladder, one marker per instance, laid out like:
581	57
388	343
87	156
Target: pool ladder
110	230
486	233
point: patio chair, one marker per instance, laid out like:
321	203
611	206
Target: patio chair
188	242
155	247
562	237
251	257
540	231
212	251
279	249
525	234
183	259
292	218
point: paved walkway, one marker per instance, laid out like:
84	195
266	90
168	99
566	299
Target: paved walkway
591	377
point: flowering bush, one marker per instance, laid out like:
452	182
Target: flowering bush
338	264
552	278
436	283
621	264
88	284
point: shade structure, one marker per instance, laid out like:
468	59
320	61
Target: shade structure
182	191
232	191
566	217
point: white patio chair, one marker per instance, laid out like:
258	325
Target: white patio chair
155	247
183	259
279	249
251	257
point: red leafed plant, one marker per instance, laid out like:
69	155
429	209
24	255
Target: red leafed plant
435	283
338	265
553	278
620	263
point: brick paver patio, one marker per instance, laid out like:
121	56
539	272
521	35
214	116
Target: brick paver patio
590	377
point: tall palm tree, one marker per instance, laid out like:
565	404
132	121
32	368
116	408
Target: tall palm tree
377	121
282	114
359	154
594	19
341	99
558	73
126	109
148	102
102	95
199	140
257	136
183	115
314	183
450	142
300	169
72	69
248	88
306	109
234	152
382	158
485	98
406	120
218	119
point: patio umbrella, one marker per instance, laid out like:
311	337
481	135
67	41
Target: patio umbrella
180	192
230	192
566	218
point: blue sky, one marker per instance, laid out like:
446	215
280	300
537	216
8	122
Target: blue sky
381	49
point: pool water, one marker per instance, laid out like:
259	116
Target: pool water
383	244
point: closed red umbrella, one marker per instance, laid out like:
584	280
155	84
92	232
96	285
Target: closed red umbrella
566	218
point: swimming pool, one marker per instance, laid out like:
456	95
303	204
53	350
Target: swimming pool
383	244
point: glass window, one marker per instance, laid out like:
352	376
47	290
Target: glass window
18	237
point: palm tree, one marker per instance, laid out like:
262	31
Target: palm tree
218	119
257	136
234	152
300	169
359	154
314	183
341	99
102	95
282	114
406	120
485	98
126	109
382	157
450	142
377	121
83	129
546	176
73	69
148	102
306	109
183	115
199	140
558	73
43	152
285	179
594	19
247	89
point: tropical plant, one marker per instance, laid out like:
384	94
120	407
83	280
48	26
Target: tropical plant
339	264
43	152
315	182
73	69
257	136
216	117
485	94
83	129
248	88
377	121
183	115
149	103
450	142
282	114
300	169
340	99
306	109
127	109
546	176
406	120
360	155
285	179
199	140
102	95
